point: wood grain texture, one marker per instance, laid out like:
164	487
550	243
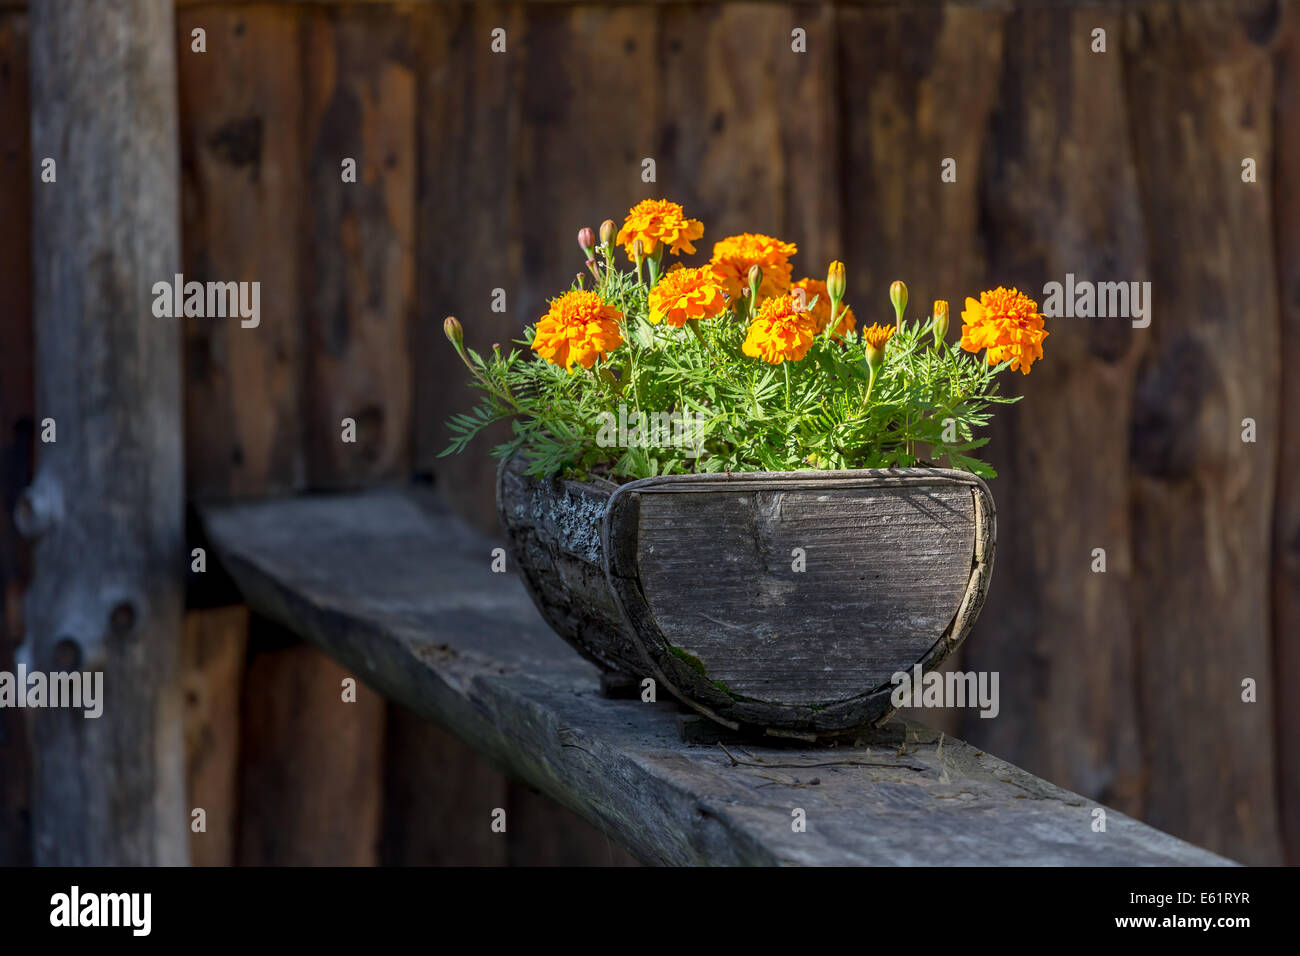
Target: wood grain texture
553	532
360	247
311	783
1061	636
212	677
107	502
803	666
746	140
470	224
1286	519
885	574
917	85
588	113
17	397
244	196
545	833
695	577
265	200
811	136
438	798
1200	83
397	590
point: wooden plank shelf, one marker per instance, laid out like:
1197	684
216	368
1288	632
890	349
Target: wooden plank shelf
402	593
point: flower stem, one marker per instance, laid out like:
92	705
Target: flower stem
695	327
829	333
871	381
503	394
609	269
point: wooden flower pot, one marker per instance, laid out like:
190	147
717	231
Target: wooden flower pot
773	602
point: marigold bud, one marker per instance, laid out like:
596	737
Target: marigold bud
451	327
835	281
898	296
587	241
607	232
875	356
940	320
874	339
638	250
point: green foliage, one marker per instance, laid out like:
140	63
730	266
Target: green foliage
814	413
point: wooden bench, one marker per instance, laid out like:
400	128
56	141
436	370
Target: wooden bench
402	593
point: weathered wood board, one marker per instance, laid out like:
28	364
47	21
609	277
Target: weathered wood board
311	797
1286	518
106	507
553	528
783	602
469	135
432	794
403	595
748	136
359	247
917	84
268	116
243	196
212	678
17	396
808	590
1200	80
1060	630
881	575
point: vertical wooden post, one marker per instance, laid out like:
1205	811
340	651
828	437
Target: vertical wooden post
17	395
106	506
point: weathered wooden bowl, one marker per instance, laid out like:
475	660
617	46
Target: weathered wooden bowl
779	602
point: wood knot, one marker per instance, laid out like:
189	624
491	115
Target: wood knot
1163	440
122	619
39	508
239	143
68	654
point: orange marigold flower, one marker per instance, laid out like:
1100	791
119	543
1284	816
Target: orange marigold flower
685	294
821	310
1007	323
873	340
656	221
877	335
780	332
733	256
580	327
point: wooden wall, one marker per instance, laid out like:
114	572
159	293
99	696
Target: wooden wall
477	168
